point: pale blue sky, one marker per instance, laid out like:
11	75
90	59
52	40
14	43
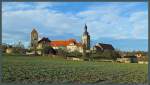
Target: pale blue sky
122	24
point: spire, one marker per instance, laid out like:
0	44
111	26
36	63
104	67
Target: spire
85	28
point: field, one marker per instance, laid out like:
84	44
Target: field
25	69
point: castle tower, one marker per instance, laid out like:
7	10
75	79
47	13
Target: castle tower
34	39
86	38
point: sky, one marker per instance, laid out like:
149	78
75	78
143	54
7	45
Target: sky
122	24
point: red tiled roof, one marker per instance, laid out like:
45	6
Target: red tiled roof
58	43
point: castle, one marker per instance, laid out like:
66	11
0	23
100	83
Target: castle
70	45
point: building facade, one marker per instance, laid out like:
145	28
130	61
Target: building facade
44	42
70	45
9	50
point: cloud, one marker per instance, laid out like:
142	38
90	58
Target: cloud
117	22
139	22
113	20
48	23
15	6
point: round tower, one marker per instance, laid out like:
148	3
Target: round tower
34	38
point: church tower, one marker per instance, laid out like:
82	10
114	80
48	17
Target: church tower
86	38
34	39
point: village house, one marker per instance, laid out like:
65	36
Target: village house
128	59
100	47
70	45
133	58
142	59
13	49
44	42
9	50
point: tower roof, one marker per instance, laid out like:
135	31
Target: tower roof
85	30
34	30
85	27
104	46
44	39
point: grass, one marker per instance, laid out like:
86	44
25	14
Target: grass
25	69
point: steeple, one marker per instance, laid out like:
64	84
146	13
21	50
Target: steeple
86	38
85	30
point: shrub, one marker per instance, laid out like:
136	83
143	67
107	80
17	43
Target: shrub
74	54
106	54
48	50
62	52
